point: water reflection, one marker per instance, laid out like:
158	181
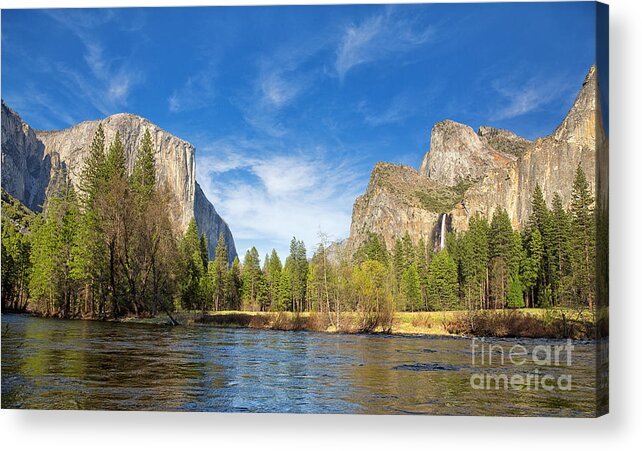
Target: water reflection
57	364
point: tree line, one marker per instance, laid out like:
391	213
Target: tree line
111	249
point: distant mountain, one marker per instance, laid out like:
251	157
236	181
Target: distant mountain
466	173
32	161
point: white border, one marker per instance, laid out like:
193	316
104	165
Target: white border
621	429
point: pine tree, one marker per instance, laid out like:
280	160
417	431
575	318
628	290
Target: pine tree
219	276
192	269
374	248
115	163
284	296
422	261
273	268
560	248
251	279
442	282
515	294
583	239
541	219
94	174
144	173
411	289
298	273
532	264
51	283
203	249
501	249
234	285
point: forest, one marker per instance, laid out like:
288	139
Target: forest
111	249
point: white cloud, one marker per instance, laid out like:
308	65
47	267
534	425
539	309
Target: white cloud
197	92
277	91
111	78
377	37
270	197
524	98
400	108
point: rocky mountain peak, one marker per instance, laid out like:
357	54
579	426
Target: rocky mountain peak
458	154
503	141
580	123
31	160
466	173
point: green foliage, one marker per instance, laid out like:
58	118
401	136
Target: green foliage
17	220
411	289
144	173
440	199
442	282
582	241
374	248
297	264
251	280
115	164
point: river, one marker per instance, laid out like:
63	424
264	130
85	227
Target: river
65	364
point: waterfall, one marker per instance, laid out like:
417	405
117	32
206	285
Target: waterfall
442	233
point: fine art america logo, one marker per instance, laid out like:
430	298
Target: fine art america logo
539	368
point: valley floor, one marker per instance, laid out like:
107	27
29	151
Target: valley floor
535	323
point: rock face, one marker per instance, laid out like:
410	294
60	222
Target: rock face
503	141
397	200
457	154
466	173
550	162
25	166
35	157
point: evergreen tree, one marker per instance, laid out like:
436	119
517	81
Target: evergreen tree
374	248
541	219
220	275
251	279
94	173
560	248
583	239
284	294
273	268
298	273
422	261
203	249
411	289
501	250
192	269
144	173
51	282
234	285
442	282
532	264
116	161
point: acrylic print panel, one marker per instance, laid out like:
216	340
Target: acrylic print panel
378	209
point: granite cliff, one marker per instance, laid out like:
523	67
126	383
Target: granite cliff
31	163
466	173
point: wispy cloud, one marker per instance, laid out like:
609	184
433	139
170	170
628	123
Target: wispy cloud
283	77
111	78
518	99
271	196
197	92
378	37
400	108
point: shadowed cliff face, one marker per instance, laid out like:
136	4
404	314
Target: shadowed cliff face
35	157
466	173
550	162
25	166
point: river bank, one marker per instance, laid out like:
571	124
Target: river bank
530	323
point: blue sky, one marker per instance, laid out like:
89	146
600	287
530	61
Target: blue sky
290	107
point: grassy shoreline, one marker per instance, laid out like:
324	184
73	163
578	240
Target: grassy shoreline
531	323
